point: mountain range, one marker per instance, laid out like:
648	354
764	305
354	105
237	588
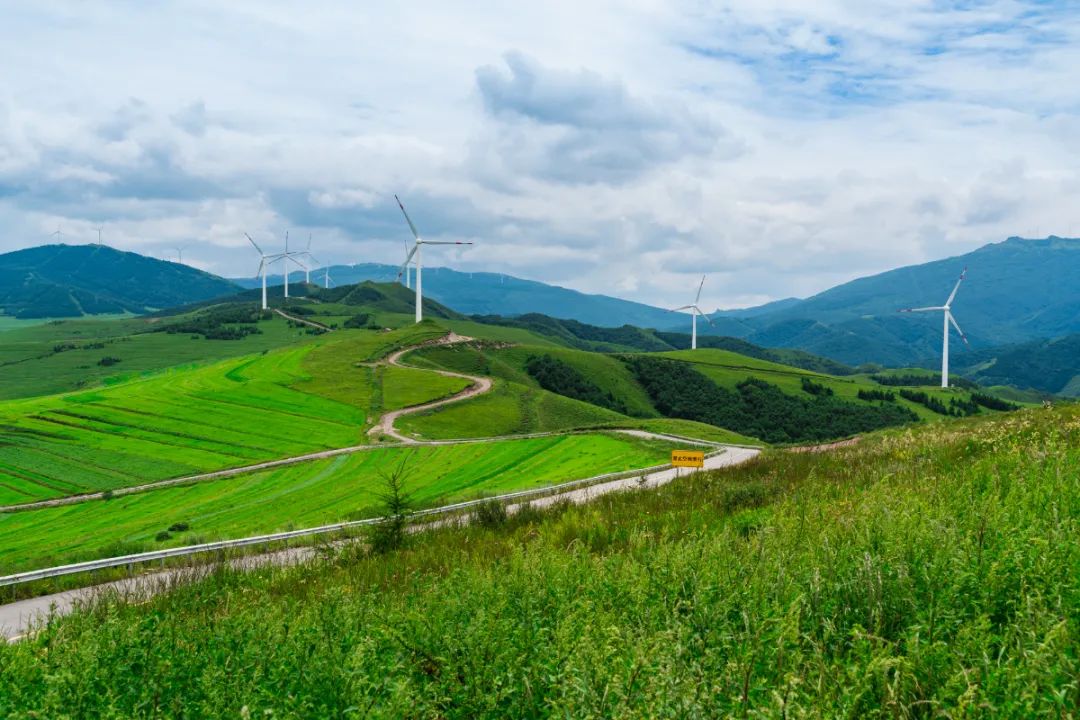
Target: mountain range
74	280
1019	305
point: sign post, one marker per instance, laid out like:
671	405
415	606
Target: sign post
688	458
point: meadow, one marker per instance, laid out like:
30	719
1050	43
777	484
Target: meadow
319	492
314	396
932	571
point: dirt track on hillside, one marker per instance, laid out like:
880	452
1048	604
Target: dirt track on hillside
480	385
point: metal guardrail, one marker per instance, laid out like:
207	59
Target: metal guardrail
156	555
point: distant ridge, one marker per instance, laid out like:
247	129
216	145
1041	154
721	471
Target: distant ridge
74	280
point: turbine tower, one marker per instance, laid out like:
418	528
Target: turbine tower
264	260
419	263
694	312
948	318
288	256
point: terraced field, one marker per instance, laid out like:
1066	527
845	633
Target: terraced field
292	401
312	493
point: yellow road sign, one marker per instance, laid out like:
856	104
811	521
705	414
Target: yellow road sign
688	458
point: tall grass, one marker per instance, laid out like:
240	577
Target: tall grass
926	573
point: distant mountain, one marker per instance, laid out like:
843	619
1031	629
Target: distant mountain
1016	291
1050	366
74	280
484	293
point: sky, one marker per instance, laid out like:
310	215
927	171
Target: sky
624	148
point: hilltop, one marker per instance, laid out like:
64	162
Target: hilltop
77	280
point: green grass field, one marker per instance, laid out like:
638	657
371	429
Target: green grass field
292	401
308	494
30	366
932	571
509	409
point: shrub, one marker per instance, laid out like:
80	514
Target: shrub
163	536
179	527
813	388
490	514
879	395
108	361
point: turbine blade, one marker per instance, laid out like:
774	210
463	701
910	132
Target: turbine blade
684	307
443	242
253	243
923	309
953	293
407	218
953	321
702	314
698	296
407	259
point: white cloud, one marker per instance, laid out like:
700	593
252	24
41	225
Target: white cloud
612	147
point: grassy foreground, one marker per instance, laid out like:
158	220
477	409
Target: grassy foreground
932	572
308	494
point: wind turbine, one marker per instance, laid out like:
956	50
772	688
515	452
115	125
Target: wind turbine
179	253
287	256
264	260
694	312
58	235
947	310
99	229
419	264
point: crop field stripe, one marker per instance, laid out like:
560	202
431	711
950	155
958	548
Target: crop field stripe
172	426
151	447
78	465
203	413
277	409
124	432
199	440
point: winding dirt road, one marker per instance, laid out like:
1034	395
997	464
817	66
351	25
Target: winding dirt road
480	385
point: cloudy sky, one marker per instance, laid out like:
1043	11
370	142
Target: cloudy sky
782	146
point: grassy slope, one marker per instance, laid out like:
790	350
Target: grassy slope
28	365
921	573
316	493
728	369
226	414
508	409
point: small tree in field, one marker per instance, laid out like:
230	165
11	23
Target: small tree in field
396	505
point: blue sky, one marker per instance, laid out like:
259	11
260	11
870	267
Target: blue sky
782	146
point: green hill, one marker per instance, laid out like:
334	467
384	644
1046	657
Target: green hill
76	280
1016	291
919	573
1048	366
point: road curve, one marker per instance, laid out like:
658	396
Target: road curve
19	618
480	385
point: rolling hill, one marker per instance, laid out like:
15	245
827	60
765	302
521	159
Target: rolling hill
484	293
1016	291
1049	366
78	280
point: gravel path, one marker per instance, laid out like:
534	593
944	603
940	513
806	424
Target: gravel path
480	385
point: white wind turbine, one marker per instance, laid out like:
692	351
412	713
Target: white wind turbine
694	312
264	261
288	256
947	310
179	253
419	264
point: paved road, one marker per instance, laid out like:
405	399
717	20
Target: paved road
17	618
